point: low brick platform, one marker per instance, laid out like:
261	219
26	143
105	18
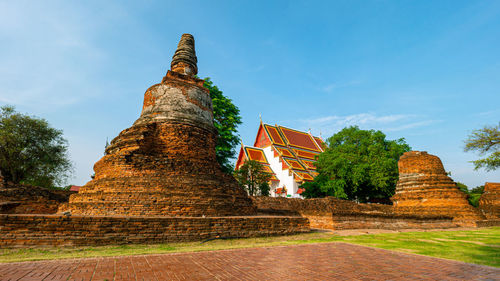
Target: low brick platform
326	261
333	213
56	230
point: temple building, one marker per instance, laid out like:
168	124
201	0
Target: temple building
287	154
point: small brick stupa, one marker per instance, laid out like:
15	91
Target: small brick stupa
425	189
489	203
165	165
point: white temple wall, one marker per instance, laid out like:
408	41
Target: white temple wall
285	177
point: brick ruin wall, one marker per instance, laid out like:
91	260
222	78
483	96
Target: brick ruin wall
424	188
56	230
28	199
489	202
332	213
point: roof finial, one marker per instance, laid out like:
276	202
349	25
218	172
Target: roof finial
260	118
184	60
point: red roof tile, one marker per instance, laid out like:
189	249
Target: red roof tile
299	139
256	154
305	154
275	135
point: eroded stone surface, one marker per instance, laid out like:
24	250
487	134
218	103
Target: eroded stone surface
489	203
424	188
184	60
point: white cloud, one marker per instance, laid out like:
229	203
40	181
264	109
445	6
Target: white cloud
411	125
388	123
489	113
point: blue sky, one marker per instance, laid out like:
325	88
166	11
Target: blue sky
427	71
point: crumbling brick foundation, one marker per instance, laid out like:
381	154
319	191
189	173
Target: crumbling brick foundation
29	199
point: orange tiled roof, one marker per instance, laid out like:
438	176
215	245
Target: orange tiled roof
305	154
284	151
297	150
275	136
304	175
309	164
299	139
257	154
294	164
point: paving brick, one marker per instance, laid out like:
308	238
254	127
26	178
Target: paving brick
324	261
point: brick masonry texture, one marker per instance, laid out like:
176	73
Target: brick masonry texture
325	261
55	230
28	199
424	188
332	213
489	203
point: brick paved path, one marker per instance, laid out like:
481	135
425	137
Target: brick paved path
325	261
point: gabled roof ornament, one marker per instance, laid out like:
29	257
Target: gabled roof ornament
184	60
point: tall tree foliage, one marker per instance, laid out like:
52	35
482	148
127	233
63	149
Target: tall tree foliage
252	177
486	141
226	120
31	151
360	165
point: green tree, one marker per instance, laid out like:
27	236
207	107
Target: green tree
463	187
265	189
485	141
31	151
319	188
473	195
226	120
252	177
360	164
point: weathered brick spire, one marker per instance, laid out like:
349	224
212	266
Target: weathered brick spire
165	164
184	60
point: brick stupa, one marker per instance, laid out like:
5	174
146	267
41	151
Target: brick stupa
425	189
489	202
165	165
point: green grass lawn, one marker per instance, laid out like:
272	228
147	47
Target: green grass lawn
479	246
